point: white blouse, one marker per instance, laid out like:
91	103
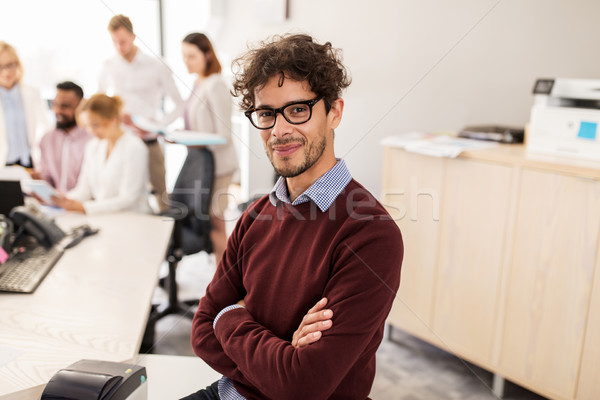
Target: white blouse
116	183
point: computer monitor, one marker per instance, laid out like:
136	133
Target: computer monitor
11	196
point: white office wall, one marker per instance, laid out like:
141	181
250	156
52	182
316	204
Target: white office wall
68	39
424	65
427	65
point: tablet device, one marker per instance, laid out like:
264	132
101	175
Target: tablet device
193	138
41	188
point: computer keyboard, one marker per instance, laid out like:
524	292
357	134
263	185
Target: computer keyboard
24	271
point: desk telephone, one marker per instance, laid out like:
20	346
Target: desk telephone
35	223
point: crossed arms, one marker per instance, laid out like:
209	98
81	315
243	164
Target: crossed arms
329	344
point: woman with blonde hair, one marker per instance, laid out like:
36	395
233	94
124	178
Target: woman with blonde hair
114	173
23	115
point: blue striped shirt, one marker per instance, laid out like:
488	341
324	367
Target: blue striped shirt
323	193
227	390
16	126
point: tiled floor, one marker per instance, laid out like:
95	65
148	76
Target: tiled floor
407	368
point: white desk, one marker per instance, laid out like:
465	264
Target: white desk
94	303
174	377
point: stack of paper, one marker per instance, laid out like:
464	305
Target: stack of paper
401	140
434	145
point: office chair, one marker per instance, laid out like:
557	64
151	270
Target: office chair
189	206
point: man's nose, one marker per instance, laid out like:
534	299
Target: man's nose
281	127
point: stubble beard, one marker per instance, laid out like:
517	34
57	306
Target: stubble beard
312	154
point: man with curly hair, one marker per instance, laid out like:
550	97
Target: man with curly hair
297	306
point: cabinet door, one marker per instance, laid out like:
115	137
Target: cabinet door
473	226
549	285
411	193
589	378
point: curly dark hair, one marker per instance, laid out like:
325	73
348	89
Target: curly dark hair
292	56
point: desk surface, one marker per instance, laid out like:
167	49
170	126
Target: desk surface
93	304
174	377
519	156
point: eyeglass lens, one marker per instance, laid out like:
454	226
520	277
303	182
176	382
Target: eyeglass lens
293	113
8	66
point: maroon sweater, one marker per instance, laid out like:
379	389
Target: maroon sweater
281	261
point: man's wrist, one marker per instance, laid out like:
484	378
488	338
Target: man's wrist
223	311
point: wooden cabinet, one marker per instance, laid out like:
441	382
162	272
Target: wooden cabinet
473	223
589	377
509	276
413	188
550	280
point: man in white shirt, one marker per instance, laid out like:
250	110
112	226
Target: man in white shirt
142	81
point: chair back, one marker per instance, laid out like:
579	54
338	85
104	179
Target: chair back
191	198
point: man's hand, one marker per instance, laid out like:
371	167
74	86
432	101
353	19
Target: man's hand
126	120
314	322
34	174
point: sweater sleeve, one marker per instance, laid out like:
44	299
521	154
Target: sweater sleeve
225	289
220	104
365	278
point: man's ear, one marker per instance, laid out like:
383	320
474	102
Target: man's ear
335	113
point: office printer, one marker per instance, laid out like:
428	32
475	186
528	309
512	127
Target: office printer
98	380
565	118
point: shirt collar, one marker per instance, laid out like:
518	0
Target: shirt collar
75	132
137	58
322	192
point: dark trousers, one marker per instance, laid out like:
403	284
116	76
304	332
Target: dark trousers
210	393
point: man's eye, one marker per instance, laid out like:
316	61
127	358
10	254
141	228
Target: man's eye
264	114
298	109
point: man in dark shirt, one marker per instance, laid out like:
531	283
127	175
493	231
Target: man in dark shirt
297	306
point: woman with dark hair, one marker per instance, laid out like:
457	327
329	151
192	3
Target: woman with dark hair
208	109
23	116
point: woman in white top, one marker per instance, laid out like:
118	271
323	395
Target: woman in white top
23	115
114	172
208	109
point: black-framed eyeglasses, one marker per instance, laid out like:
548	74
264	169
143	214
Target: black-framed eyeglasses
295	113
